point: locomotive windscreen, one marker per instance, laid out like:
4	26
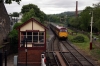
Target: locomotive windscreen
63	30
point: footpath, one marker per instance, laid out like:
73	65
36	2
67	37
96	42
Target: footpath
10	60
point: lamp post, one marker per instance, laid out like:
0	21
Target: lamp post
91	31
66	20
26	50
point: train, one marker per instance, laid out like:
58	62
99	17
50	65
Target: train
60	31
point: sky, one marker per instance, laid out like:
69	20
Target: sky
51	6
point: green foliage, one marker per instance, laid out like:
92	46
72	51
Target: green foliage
28	15
15	14
16	25
14	41
72	21
32	10
14	38
53	18
83	21
13	34
97	23
97	5
10	1
57	17
96	53
83	45
27	8
78	39
96	18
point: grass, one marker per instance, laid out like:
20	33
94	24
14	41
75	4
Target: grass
96	53
85	46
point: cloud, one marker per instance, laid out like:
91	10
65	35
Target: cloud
51	6
58	3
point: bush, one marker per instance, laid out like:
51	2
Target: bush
13	41
13	35
78	39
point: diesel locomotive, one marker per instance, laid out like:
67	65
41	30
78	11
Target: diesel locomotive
60	31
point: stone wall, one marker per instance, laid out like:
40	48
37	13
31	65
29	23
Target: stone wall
4	23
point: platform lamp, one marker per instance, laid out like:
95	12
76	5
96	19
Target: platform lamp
25	42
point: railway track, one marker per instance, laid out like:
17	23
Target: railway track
55	55
78	58
62	53
53	60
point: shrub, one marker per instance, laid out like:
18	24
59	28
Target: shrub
13	35
78	39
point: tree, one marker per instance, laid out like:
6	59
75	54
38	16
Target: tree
10	1
97	5
14	38
36	12
85	18
15	14
96	18
27	8
29	15
97	24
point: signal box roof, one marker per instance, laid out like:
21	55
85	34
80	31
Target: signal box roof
32	20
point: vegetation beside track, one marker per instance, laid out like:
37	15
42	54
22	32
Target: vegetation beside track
85	46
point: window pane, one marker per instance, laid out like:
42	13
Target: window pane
24	33
29	33
35	38
41	38
23	36
35	33
41	33
22	39
29	38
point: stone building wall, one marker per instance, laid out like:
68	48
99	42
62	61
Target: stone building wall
4	23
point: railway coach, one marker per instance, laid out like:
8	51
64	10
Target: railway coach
60	31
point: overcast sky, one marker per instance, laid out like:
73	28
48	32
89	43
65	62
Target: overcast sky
51	6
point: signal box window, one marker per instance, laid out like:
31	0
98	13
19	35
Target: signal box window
29	37
33	39
22	41
35	36
41	37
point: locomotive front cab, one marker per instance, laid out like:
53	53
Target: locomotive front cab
63	33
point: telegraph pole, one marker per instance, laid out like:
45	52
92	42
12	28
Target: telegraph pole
76	9
91	31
